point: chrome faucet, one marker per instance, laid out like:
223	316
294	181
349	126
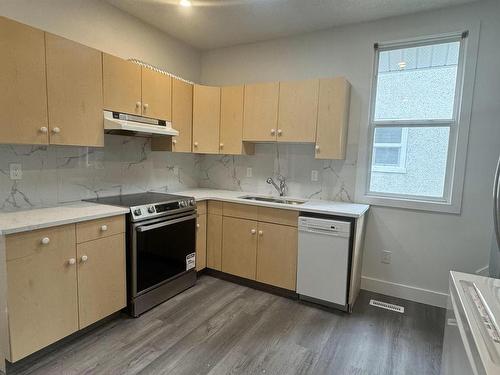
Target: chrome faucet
282	186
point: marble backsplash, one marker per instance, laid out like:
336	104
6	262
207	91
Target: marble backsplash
60	174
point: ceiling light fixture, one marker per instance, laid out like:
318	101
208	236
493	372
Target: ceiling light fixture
185	3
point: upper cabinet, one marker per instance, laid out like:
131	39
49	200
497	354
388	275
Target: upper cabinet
74	89
23	107
231	122
333	117
260	115
206	119
156	94
298	111
121	85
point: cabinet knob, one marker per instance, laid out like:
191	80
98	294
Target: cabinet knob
71	261
138	104
84	258
145	106
273	131
280	131
221	145
44	130
45	240
197	225
316	148
195	144
104	228
56	130
174	142
261	233
253	231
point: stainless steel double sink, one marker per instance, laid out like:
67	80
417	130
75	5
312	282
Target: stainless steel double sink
273	199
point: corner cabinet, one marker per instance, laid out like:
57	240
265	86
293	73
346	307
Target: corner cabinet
206	119
56	286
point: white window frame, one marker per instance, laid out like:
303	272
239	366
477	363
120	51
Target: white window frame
458	142
402	145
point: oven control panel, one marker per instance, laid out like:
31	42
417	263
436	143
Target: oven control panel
159	209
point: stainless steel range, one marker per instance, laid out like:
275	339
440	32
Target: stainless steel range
161	243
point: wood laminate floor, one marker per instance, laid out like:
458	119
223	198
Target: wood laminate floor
218	327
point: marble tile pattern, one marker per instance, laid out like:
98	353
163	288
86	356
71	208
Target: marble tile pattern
61	174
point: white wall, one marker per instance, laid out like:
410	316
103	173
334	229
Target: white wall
98	24
425	245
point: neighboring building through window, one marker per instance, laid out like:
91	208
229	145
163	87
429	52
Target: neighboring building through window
414	119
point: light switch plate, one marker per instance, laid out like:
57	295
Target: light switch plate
249	172
386	257
16	171
314	175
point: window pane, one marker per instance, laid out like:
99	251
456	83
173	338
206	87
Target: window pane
388	135
417	83
386	156
425	169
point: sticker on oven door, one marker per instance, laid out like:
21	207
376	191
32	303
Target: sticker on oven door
190	261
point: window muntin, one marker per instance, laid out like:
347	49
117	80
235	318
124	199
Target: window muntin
417	90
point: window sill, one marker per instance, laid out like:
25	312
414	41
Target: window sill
412	204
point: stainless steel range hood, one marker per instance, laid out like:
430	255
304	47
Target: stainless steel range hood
132	125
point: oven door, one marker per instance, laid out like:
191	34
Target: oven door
162	249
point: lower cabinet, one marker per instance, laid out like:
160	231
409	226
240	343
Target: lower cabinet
239	247
56	287
201	242
214	241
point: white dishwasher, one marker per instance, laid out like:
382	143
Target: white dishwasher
323	260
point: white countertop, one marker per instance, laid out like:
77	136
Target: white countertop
312	205
37	218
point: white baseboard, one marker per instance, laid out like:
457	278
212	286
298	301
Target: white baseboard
408	292
484	271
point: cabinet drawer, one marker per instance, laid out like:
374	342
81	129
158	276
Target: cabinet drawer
214	207
20	245
201	207
243	211
277	216
95	229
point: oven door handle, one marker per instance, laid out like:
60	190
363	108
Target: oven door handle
145	228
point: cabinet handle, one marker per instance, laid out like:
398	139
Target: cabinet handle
221	145
145	106
253	231
44	130
195	144
138	105
174	141
280	131
104	228
45	240
56	130
197	225
84	258
71	261
316	148
261	233
273	131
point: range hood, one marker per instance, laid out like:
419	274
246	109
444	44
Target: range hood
132	125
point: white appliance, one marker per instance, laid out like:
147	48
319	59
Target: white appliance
472	336
125	124
323	261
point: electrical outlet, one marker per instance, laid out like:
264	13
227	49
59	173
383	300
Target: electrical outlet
249	172
314	175
385	256
98	164
176	170
16	171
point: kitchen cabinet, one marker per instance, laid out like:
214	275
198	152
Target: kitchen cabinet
23	104
182	120
260	113
74	91
156	94
101	278
206	119
231	122
333	117
239	247
298	111
214	235
42	294
277	255
201	241
65	283
121	85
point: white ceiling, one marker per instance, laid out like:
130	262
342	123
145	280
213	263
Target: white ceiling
218	23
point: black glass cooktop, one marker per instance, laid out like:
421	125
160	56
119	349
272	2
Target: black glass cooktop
133	200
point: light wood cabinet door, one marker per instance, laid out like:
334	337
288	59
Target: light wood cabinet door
201	242
102	286
23	102
182	115
231	122
333	118
214	241
74	90
239	247
298	111
156	95
277	255
260	113
121	85
42	290
206	119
